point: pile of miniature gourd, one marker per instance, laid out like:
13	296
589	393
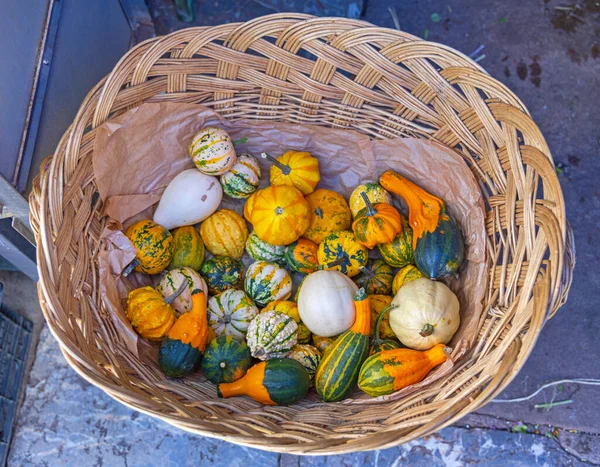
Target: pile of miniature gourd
337	332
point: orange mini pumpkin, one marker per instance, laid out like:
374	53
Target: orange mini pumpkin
376	224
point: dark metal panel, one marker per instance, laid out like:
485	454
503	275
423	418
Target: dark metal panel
37	96
92	37
21	26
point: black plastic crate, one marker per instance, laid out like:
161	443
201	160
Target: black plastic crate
15	341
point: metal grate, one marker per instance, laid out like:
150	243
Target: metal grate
15	340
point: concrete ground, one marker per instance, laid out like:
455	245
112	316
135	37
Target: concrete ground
550	58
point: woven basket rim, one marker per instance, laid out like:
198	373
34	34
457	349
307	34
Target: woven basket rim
458	99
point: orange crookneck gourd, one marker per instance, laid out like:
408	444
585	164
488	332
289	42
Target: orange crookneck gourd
391	370
338	371
280	381
437	242
181	351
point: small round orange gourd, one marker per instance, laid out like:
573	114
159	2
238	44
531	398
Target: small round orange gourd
376	224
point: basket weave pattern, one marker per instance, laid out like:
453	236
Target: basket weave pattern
340	73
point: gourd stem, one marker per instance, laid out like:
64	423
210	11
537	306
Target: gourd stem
370	210
427	330
130	267
284	168
335	263
367	272
171	298
376	338
239	141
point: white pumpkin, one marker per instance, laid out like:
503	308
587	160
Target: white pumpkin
242	179
426	314
325	303
171	281
230	313
190	198
212	151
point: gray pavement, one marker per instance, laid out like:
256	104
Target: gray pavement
550	58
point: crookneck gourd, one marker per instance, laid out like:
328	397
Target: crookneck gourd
437	242
181	351
280	381
338	371
391	370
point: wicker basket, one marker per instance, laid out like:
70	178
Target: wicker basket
381	82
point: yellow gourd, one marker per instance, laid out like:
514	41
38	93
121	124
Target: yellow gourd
150	314
279	214
225	233
294	168
377	224
329	213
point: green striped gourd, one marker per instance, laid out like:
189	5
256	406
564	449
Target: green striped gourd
188	248
266	282
222	273
259	250
170	283
243	178
338	371
399	252
230	313
225	360
271	335
308	356
376	277
440	253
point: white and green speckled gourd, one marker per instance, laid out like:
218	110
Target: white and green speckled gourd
171	281
271	335
230	313
266	282
243	178
308	356
212	151
259	250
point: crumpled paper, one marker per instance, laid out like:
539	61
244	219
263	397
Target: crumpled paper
139	152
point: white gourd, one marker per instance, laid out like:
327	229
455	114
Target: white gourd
230	313
190	198
271	335
325	303
171	281
426	313
212	151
